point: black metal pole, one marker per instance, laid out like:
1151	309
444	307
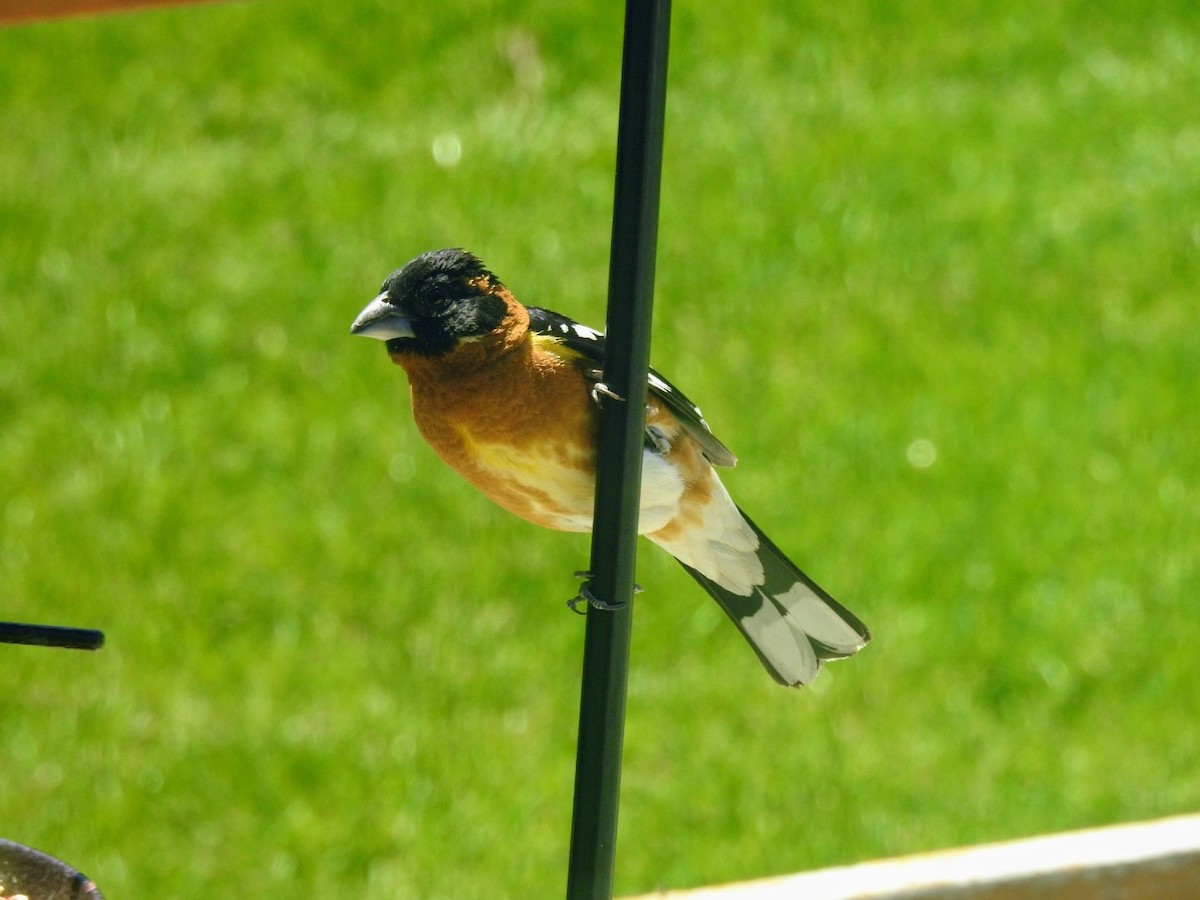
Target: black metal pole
619	467
51	636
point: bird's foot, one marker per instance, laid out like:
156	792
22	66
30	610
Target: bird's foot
585	596
600	389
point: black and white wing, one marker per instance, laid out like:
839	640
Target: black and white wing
582	342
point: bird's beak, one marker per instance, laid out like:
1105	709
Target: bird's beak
382	321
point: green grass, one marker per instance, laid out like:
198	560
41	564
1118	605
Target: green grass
332	668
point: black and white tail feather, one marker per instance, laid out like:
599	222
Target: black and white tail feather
792	624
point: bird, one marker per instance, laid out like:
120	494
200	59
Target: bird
508	396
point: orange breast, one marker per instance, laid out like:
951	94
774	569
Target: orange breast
520	425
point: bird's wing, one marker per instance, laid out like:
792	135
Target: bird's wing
587	344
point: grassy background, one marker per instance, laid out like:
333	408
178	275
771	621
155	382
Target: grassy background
931	271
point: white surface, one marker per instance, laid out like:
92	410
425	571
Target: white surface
1143	844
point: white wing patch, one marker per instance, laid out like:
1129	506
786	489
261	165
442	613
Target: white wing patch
658	384
588	334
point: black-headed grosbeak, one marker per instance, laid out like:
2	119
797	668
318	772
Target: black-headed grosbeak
507	395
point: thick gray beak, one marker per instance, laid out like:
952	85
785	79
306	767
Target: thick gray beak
381	320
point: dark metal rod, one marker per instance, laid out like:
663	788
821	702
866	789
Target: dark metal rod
51	636
619	467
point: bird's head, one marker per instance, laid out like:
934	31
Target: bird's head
434	303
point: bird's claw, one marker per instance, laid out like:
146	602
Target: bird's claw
585	596
600	389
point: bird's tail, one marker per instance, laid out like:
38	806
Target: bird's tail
790	621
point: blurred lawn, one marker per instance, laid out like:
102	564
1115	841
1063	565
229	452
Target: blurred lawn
932	272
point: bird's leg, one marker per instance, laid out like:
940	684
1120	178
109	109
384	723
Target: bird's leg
657	438
585	595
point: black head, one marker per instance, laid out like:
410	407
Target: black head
432	303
